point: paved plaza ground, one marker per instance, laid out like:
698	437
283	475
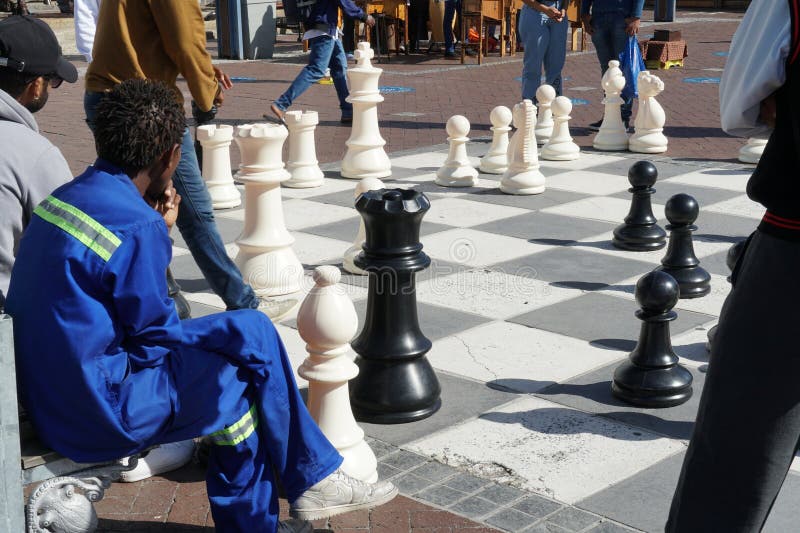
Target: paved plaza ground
529	438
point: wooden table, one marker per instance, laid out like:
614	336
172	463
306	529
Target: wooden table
398	10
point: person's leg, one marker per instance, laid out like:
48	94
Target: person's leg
199	230
619	40
320	49
447	26
349	35
556	54
533	30
602	39
338	67
748	421
252	412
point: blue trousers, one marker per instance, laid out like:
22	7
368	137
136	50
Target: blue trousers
325	53
248	404
451	7
610	40
545	43
196	224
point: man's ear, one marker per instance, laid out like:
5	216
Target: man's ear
33	91
170	159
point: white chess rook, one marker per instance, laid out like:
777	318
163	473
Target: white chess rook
457	171
265	258
348	262
216	142
496	159
649	137
545	95
302	162
612	135
365	156
560	146
523	175
327	321
751	152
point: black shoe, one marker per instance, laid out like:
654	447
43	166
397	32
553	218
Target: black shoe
293	525
595	126
628	127
450	55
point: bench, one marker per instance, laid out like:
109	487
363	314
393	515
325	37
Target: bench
66	491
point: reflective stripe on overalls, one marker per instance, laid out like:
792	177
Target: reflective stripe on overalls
80	225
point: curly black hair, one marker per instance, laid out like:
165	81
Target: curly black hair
137	122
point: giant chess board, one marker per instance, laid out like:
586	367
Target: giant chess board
530	309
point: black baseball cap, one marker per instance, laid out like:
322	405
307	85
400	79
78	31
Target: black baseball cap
29	45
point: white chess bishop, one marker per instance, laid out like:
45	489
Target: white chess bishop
523	175
612	135
545	95
216	142
348	262
365	156
751	152
560	146
457	171
327	321
265	258
496	159
302	162
649	137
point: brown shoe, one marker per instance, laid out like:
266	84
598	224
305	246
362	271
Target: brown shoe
277	115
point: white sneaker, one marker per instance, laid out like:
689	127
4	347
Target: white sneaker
163	458
339	493
276	310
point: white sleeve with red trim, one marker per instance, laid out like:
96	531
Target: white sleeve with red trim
756	66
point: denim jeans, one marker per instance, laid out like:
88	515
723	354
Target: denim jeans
326	52
610	39
196	223
451	7
545	43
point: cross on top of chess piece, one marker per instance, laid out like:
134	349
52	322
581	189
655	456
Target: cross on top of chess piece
363	54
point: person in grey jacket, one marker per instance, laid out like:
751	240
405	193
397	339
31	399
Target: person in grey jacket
30	166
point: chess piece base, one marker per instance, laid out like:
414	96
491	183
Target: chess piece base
494	164
556	154
272	273
652	387
305	178
648	143
369	163
611	143
639	238
531	182
394	392
694	282
348	261
456	177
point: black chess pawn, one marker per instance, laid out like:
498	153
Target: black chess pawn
640	232
396	382
174	292
680	261
652	377
734	254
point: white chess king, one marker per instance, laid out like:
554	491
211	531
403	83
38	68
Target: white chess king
365	156
649	136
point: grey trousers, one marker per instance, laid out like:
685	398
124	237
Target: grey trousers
748	424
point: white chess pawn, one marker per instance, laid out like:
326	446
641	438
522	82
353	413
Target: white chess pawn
523	175
612	135
649	137
751	152
327	321
302	162
365	156
348	262
457	171
216	142
545	95
496	159
265	258
560	146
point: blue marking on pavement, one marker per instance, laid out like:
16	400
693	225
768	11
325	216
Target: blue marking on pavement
579	101
701	80
242	79
393	89
721	54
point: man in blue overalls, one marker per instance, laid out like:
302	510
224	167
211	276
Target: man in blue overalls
107	369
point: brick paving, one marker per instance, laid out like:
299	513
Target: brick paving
440	88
